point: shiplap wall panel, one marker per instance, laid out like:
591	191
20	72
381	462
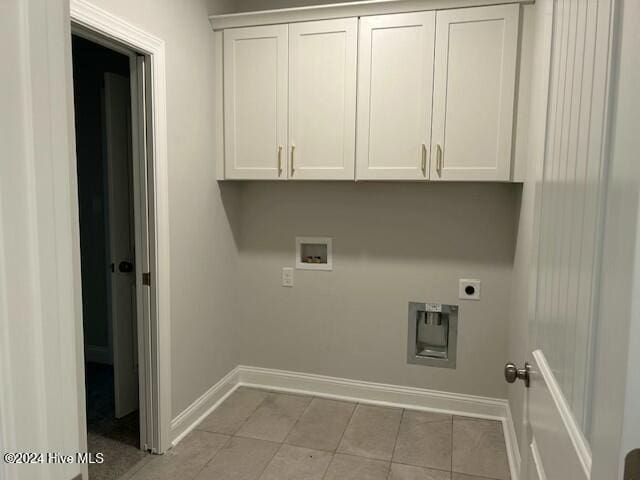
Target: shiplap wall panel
571	200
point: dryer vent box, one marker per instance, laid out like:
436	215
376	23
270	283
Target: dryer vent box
314	253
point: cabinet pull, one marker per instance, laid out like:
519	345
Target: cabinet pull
279	160
424	160
439	160
293	149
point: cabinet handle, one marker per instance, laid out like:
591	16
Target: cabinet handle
279	160
293	149
424	160
439	160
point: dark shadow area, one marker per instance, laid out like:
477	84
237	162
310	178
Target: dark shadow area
118	439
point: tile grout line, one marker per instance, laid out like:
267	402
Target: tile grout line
242	424
319	449
422	467
259	476
295	424
213	456
282	444
451	461
335	451
395	443
353	413
482	477
230	436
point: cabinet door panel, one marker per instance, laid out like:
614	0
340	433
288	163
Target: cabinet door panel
395	75
474	84
322	99
255	102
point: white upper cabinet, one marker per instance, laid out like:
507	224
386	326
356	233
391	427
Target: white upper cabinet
395	76
322	99
473	97
400	96
255	102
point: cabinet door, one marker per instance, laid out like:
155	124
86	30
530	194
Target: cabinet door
255	102
395	75
473	99
322	99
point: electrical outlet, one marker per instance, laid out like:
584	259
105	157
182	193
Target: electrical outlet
469	289
287	277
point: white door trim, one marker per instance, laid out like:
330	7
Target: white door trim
95	19
573	429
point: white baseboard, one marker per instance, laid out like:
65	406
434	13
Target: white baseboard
373	393
96	354
191	416
355	391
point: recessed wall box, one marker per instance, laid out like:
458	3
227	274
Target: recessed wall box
433	334
314	253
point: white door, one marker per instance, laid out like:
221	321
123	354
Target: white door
322	99
255	102
395	78
473	93
615	426
121	242
570	189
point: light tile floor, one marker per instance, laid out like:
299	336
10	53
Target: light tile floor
262	435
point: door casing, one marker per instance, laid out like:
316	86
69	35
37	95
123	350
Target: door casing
147	54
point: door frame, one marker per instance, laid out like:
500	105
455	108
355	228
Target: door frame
604	391
104	28
615	418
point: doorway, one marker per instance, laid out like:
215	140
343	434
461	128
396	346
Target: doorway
113	246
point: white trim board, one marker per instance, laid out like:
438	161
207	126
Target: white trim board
342	10
101	22
354	391
572	428
195	413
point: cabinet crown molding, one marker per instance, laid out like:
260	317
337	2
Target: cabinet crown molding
343	10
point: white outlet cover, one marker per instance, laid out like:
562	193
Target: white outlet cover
287	277
471	284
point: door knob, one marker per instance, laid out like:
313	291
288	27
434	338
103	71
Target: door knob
512	373
125	267
632	465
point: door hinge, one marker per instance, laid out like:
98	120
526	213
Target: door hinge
146	279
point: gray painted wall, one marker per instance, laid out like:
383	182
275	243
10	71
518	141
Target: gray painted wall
352	322
393	243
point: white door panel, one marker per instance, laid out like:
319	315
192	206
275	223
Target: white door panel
473	98
322	99
255	102
121	242
395	77
562	449
570	191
